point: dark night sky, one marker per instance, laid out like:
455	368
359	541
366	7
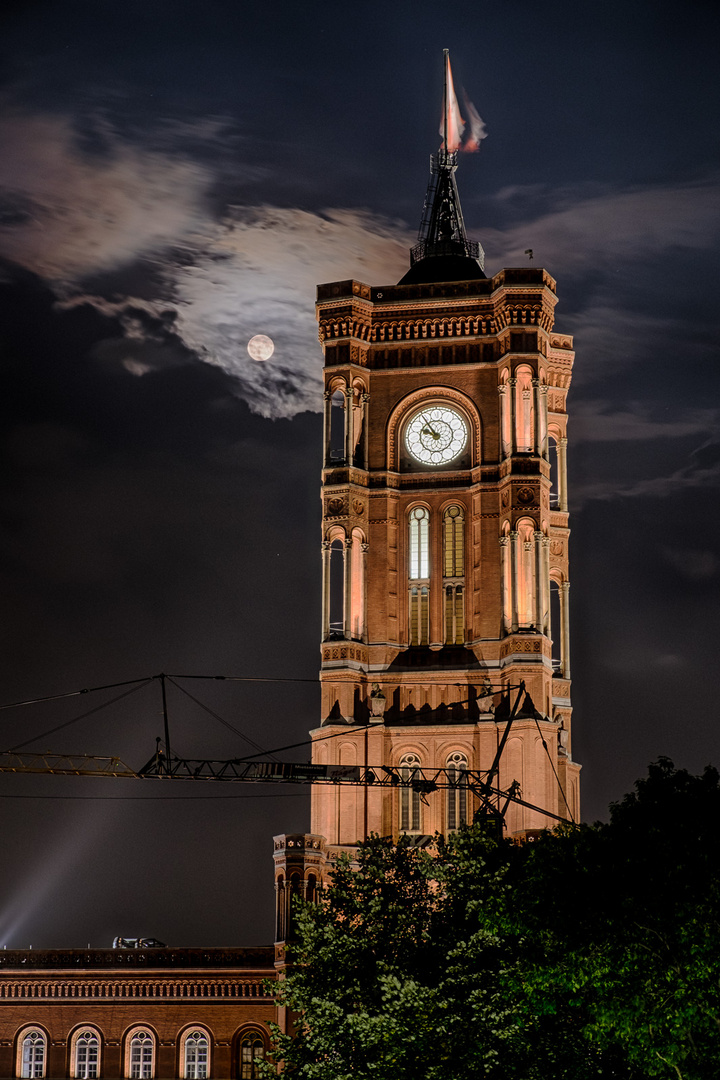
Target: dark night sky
176	177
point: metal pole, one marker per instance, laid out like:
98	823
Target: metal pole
165	722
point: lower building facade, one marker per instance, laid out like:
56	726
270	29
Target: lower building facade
135	1013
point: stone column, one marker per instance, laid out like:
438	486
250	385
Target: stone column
504	555
562	472
514	555
365	401
537	428
544	448
546	584
363	599
327	406
502	391
348	425
326	556
539	581
565	610
512	383
347	590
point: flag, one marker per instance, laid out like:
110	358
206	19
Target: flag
452	124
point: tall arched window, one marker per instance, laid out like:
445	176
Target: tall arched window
195	1054
141	1055
337	435
252	1047
457	795
85	1054
409	797
419	575
524	410
33	1052
454	574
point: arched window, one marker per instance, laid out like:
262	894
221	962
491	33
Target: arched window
195	1054
454	542
33	1052
409	797
457	795
280	903
524	410
453	574
419	544
419	573
140	1055
337	588
556	625
338	438
252	1047
85	1054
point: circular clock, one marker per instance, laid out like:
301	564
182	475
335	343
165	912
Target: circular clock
436	435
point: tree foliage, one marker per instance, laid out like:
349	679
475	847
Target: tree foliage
591	952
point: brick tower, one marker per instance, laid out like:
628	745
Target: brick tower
445	534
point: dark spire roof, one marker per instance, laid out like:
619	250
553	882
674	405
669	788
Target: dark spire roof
443	251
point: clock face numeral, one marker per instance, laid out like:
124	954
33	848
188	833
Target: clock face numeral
436	435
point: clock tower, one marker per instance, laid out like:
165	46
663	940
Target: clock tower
444	536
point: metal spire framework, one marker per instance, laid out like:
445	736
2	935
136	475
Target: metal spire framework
442	228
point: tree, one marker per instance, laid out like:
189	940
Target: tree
588	953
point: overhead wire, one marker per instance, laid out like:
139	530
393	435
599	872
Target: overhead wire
75	719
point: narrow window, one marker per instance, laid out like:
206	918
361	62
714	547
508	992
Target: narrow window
419	572
409	797
419	568
33	1054
196	1056
453	574
337	428
251	1048
457	805
337	589
142	1055
556	626
87	1054
554	474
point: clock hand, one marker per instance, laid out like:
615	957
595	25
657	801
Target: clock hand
430	427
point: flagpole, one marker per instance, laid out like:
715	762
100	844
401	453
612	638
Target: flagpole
446	54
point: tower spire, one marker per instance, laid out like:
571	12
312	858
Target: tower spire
442	237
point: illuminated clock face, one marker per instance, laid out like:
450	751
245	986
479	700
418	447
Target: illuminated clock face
436	435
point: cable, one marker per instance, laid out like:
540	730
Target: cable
159	798
216	716
552	766
75	693
245	678
59	727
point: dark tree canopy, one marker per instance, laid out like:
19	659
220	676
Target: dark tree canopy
591	952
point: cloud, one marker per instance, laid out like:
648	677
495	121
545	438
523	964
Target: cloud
258	273
692	564
612	227
84	213
599	420
68	213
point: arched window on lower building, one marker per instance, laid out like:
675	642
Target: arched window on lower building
409	797
85	1054
32	1052
457	795
140	1055
195	1054
252	1049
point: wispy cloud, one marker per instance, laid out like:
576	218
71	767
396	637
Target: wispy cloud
72	212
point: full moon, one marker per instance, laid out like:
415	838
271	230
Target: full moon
261	347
